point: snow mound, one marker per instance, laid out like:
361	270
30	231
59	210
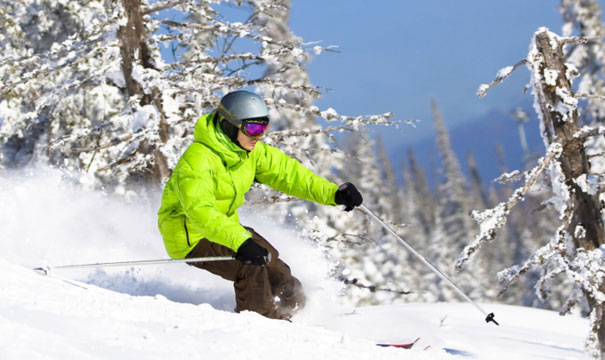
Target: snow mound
55	318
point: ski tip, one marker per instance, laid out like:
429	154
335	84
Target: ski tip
400	346
490	318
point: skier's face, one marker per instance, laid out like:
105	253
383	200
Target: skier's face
246	141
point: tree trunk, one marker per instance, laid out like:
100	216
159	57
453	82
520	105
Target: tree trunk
560	127
133	47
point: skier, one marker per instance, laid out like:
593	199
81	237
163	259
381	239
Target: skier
198	215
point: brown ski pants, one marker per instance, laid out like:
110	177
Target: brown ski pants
269	290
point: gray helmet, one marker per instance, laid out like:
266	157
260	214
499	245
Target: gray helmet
240	105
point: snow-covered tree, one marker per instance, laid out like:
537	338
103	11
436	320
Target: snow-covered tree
391	191
574	252
366	258
90	79
477	188
452	226
423	205
584	18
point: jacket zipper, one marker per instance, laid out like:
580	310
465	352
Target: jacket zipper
186	231
234	190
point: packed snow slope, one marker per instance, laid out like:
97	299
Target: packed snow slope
179	312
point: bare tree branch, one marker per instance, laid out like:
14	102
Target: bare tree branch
502	74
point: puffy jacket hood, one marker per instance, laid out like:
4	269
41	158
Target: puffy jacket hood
208	132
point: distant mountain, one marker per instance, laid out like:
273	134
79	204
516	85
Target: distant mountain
479	136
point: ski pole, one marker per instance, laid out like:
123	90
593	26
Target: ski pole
47	269
488	317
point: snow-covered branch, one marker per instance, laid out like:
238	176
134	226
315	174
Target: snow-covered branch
158	6
492	219
500	76
590	96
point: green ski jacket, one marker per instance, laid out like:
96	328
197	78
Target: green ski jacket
208	184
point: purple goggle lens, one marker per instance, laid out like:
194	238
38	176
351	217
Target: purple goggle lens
255	128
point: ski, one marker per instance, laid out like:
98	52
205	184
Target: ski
400	346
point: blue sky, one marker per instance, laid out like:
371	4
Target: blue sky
396	54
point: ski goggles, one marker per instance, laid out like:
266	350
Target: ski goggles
255	127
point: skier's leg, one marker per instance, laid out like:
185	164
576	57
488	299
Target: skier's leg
225	269
287	287
284	285
253	292
251	282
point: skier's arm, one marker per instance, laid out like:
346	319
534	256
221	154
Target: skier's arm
287	175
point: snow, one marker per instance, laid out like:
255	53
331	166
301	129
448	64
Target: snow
588	183
179	312
568	103
504	72
483	88
550	77
329	114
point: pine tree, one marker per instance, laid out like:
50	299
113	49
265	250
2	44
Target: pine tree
363	249
478	192
419	223
391	191
426	204
453	225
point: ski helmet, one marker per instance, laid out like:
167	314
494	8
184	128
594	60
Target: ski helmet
242	105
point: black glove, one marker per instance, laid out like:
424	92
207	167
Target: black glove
251	253
348	195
